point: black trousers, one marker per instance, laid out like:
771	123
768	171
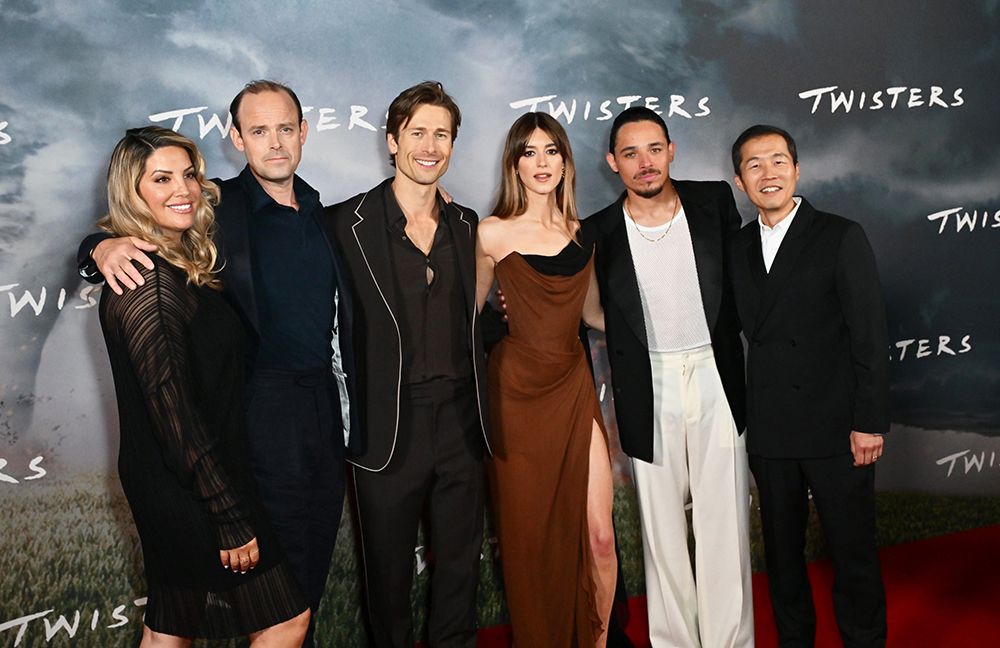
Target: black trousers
844	496
297	444
436	465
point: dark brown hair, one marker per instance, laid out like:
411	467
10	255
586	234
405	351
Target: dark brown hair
511	198
406	103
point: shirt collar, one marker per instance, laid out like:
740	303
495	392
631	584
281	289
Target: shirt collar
785	222
306	196
395	219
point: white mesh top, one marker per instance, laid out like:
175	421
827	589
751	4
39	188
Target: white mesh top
663	258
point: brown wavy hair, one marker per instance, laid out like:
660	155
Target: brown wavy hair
129	215
511	198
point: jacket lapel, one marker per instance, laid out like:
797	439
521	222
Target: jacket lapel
621	279
372	242
706	239
463	234
784	261
233	233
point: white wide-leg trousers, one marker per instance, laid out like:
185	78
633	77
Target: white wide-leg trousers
698	454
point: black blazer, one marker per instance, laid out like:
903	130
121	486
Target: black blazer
359	227
232	240
713	219
817	358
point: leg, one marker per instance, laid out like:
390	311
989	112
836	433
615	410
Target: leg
153	639
457	499
717	461
326	503
600	495
390	503
784	512
662	491
845	500
287	634
282	431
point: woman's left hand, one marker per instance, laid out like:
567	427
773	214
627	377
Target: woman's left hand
242	559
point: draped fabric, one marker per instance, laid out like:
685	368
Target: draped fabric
543	408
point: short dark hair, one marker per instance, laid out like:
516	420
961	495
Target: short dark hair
760	130
407	102
256	87
635	114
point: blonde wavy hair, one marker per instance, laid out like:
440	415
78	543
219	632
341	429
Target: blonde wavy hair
511	197
129	215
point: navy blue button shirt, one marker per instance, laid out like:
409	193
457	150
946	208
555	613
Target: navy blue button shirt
293	277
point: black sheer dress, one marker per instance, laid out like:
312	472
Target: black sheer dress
177	358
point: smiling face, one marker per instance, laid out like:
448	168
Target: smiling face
422	149
270	135
768	176
642	158
540	167
169	187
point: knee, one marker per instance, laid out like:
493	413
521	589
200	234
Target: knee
602	543
296	628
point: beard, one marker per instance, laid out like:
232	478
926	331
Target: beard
652	190
649	192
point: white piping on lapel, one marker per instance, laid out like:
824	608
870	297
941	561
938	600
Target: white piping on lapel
475	364
399	339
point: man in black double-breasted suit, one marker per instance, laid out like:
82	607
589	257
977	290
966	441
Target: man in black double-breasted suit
677	375
421	371
811	308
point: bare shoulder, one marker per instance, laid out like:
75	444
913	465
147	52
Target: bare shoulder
491	227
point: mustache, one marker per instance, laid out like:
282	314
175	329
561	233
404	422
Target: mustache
645	171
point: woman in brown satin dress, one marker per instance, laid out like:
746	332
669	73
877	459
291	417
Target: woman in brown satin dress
550	476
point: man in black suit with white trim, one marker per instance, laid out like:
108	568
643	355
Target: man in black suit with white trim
811	307
422	381
677	375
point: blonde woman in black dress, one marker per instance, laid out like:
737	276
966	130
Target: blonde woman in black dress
212	566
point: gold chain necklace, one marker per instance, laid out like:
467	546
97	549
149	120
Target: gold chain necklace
659	238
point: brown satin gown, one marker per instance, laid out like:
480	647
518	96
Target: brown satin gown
543	407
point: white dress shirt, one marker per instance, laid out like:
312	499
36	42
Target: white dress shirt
771	237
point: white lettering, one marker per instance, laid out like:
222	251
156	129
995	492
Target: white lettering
951	458
51	629
562	109
177	115
21	624
327	119
357	112
204	128
531	103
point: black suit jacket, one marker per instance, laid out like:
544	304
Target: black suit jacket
232	240
713	219
817	358
359	227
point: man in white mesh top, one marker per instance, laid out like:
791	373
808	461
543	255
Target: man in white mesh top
677	375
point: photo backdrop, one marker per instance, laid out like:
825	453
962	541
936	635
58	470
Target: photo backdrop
894	106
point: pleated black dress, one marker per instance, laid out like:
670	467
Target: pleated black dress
177	356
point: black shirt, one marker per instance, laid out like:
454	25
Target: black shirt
433	323
293	277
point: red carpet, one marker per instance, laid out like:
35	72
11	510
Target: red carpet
942	593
